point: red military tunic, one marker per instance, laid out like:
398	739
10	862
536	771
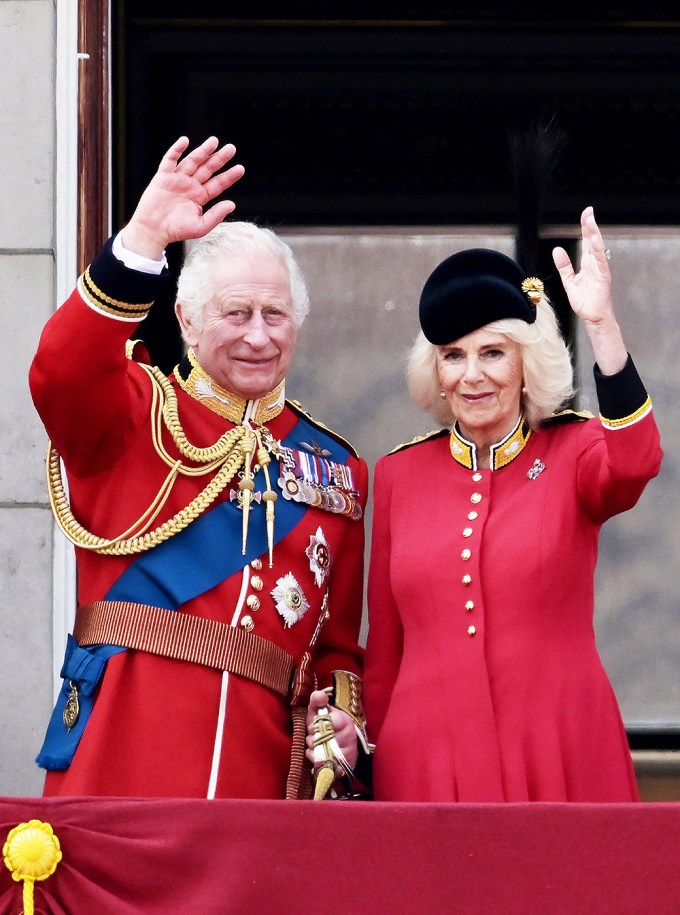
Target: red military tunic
482	679
163	727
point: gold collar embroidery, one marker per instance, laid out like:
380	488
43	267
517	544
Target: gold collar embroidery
502	453
199	385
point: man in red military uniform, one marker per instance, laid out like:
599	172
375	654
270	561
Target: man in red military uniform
218	527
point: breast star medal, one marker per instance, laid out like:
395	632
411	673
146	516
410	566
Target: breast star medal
319	557
289	599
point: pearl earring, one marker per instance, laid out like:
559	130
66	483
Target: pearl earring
442	395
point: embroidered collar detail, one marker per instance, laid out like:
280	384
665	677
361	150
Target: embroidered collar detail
199	385
502	453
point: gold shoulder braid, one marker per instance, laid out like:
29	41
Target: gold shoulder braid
228	454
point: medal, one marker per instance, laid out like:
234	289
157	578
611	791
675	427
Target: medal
290	599
72	708
316	481
319	557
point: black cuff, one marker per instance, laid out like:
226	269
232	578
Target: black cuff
116	289
620	396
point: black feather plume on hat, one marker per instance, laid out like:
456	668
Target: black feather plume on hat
534	155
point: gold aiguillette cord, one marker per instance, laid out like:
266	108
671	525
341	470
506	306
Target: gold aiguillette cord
252	445
269	495
246	484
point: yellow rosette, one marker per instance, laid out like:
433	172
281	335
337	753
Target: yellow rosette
31	853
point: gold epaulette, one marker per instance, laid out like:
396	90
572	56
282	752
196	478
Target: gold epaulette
298	408
420	438
567	416
130	347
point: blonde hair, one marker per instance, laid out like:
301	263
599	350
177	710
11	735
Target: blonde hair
548	375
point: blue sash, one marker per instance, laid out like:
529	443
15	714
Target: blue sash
203	555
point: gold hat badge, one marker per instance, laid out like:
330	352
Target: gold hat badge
533	288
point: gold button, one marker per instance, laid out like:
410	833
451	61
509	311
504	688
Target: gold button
472	516
465	554
467	532
253	602
256	582
466	580
256	564
247	623
476	477
469	605
472	631
476	497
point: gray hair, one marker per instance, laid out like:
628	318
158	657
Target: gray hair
236	239
546	363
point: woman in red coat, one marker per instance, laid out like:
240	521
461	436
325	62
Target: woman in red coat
482	677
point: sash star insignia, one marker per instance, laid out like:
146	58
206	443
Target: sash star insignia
319	557
290	600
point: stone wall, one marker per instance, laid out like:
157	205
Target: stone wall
27	155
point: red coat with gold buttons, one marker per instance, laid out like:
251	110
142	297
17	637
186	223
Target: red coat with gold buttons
482	679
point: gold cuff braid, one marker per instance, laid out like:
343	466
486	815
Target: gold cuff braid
347	689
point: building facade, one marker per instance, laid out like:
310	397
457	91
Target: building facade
364	279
